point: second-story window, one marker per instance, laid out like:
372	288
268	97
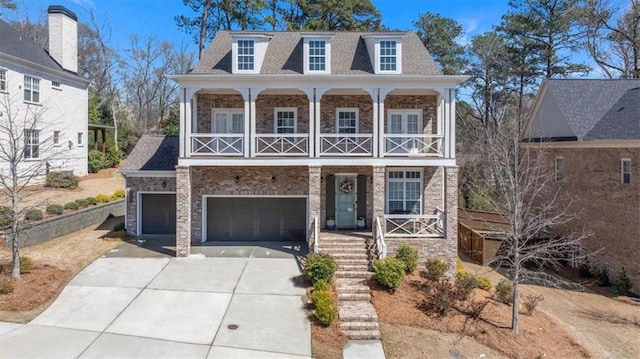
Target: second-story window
625	171
285	120
3	80
246	58
559	169
388	55
31	89
56	85
317	55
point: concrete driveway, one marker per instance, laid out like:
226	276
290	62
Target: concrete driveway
236	302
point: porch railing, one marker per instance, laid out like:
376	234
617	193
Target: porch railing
346	144
406	144
217	144
414	225
290	144
381	246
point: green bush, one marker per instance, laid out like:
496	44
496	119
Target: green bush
96	161
119	227
585	269
5	216
389	272
434	269
321	266
326	311
82	202
103	198
54	209
33	215
71	206
91	201
119	193
113	157
6	285
321	285
623	283
504	291
61	180
465	284
408	256
603	277
484	283
26	264
440	297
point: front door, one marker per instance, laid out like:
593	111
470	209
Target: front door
346	201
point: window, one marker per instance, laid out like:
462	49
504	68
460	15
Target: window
285	120
56	138
404	122
246	55
404	192
56	85
31	89
31	143
227	121
625	171
3	80
80	138
388	55
317	55
559	169
347	120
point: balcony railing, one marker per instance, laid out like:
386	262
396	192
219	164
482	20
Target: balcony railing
412	145
346	144
217	144
290	144
414	225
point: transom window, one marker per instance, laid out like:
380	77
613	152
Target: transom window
388	55
347	120
625	171
31	89
56	85
404	194
246	57
286	120
227	121
559	169
3	80
317	55
31	144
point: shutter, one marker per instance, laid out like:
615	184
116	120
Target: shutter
362	196
331	195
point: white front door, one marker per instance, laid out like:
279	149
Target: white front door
403	122
346	201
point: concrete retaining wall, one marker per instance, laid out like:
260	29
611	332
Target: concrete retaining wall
54	227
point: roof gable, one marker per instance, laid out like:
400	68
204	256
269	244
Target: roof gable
13	43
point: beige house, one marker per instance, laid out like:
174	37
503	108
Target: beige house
287	134
592	130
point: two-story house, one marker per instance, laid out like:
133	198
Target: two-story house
284	134
591	133
43	97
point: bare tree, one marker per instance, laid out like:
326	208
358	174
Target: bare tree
24	156
520	180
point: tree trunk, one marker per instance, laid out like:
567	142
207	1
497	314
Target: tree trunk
115	125
15	249
514	313
203	27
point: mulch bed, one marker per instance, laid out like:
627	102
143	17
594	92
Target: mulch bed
42	284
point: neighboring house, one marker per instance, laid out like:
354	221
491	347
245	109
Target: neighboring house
281	132
592	133
36	81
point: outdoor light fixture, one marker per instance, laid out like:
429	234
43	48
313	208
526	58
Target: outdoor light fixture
321	178
237	179
273	179
164	184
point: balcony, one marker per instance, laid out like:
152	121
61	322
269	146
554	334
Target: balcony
413	145
346	144
217	144
414	225
291	144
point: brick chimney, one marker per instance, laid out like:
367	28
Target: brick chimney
63	37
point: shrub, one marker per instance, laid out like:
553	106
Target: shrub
326	311
465	284
504	291
623	283
321	266
530	302
603	277
119	193
72	206
435	269
96	161
113	157
585	269
6	285
82	202
91	201
408	256
321	285
54	209
484	283
389	272
459	265
441	297
475	308
26	264
5	216
33	214
103	198
61	180
119	227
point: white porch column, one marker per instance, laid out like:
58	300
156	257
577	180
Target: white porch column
382	95
373	92
448	123
452	110
318	118
246	96
254	92
312	128
190	122
183	121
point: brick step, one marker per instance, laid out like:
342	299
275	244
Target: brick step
338	239
342	246
362	334
347	296
359	326
350	274
342	255
353	267
352	262
342	250
354	289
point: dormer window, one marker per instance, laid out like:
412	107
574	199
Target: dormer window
388	59
385	52
317	53
246	51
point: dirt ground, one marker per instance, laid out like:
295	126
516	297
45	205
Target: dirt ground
607	327
55	263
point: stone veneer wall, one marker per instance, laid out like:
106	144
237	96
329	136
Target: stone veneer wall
426	103
138	184
206	102
329	103
254	181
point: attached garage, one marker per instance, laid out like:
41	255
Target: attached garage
255	219
157	213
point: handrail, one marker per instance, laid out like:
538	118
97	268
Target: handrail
286	144
228	144
380	244
342	144
413	225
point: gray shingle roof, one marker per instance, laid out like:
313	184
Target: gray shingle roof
349	54
599	109
153	153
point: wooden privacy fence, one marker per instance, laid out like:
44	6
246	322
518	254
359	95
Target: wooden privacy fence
480	233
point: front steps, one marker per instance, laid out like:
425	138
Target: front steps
359	320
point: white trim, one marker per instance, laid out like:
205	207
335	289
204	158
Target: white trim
285	109
32	65
404	113
139	208
584	144
347	109
622	161
230	112
143	173
322	161
404	179
327	53
321	81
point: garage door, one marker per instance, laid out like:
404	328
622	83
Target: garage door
256	219
158	213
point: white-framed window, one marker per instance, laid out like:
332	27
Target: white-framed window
4	87
346	120
80	138
404	191
625	171
56	138
56	85
227	120
31	89
246	55
388	55
285	120
317	55
559	169
31	144
404	122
